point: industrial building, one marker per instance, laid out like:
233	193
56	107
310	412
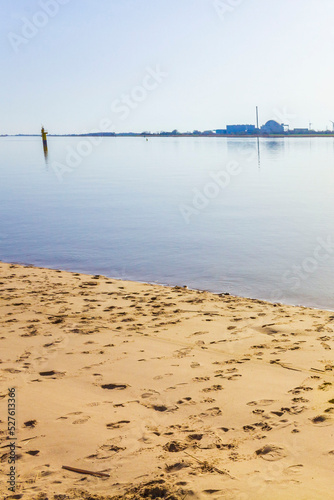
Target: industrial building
272	127
240	129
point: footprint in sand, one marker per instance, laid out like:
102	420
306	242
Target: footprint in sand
112	447
30	424
117	425
298	390
293	470
175	446
320	420
200	379
195	437
300	400
294	410
213	388
146	395
159	407
52	374
210	412
4	458
261	402
186	400
115	386
81	420
176	467
325	386
271	453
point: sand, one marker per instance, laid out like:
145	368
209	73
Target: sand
171	393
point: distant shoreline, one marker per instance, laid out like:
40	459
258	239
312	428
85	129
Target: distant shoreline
227	136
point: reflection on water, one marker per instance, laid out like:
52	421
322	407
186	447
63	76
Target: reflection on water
251	147
114	207
275	145
46	152
45	143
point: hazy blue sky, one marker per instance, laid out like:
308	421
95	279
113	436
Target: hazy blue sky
185	64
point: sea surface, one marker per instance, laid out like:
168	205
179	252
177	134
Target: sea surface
249	217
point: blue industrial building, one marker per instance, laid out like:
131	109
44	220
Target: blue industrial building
240	129
272	127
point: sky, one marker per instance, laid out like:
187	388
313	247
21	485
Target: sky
151	65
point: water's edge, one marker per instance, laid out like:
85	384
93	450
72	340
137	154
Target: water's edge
170	285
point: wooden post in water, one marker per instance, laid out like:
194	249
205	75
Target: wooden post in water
45	142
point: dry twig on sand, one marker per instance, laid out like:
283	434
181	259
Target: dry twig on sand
84	471
283	365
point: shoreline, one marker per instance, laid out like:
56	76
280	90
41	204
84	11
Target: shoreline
163	389
227	136
171	285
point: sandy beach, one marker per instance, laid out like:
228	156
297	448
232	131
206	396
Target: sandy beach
163	392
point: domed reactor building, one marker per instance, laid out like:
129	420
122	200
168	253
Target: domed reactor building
272	127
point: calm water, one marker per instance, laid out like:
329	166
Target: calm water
152	211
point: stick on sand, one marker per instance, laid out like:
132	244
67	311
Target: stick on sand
83	471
